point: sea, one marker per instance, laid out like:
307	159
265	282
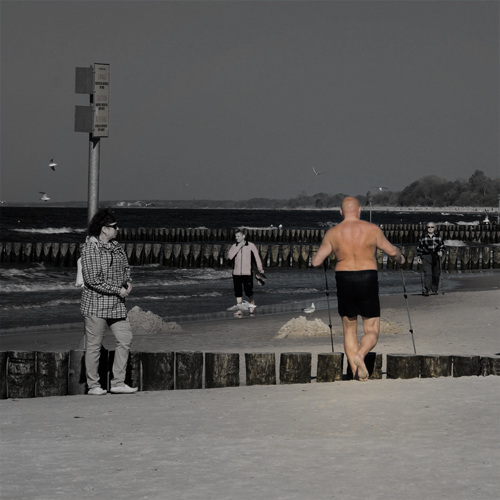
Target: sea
40	295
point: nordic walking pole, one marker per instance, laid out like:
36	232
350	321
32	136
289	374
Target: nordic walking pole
441	279
328	302
408	310
421	277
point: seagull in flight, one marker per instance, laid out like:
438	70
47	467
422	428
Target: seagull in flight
44	196
381	188
52	164
316	172
309	310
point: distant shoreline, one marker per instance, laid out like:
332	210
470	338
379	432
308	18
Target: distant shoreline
374	208
449	210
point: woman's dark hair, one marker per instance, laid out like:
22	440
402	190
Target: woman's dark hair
103	217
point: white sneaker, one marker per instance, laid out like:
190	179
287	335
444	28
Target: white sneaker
123	389
97	391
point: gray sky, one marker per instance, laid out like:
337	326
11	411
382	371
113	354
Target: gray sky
240	99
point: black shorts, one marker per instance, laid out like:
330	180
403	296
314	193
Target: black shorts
357	293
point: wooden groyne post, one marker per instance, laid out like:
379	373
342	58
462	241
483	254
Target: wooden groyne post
295	368
189	370
222	370
260	368
330	367
29	374
214	255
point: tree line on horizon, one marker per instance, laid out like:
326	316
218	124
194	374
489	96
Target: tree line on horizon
478	190
428	191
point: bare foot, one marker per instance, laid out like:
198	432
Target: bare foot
362	371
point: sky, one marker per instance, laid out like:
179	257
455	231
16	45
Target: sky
240	99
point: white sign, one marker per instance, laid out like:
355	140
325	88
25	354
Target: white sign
101	100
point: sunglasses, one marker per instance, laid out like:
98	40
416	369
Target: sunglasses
114	227
430	227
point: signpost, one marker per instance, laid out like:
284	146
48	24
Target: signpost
94	120
101	100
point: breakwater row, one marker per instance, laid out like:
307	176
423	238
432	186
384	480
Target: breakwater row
214	255
395	233
29	374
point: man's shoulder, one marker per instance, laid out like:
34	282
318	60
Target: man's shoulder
358	223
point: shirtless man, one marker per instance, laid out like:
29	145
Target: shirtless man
354	243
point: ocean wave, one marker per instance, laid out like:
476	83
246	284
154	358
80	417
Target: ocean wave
177	277
454	243
210	274
182	297
163	283
292	291
41	305
38	285
50	230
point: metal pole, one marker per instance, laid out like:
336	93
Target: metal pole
93	197
498	214
93	193
328	302
408	310
421	278
441	279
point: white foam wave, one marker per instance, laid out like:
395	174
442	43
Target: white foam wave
37	287
454	243
50	230
183	297
210	274
291	291
50	303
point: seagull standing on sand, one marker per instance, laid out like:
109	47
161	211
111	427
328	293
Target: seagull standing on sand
316	172
44	196
309	310
52	164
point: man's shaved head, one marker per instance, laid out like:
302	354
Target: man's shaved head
350	206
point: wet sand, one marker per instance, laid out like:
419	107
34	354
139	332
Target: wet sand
463	321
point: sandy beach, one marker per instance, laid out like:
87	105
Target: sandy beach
434	438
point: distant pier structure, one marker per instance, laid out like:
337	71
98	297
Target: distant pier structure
467	247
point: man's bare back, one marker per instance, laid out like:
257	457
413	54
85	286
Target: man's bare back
354	242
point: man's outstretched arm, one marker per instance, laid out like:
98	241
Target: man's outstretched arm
393	252
323	253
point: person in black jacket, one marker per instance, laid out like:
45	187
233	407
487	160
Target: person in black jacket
429	251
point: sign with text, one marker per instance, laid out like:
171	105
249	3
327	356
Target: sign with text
101	100
94	118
